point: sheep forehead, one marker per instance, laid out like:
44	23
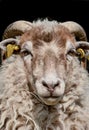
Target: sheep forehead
48	47
55	48
46	31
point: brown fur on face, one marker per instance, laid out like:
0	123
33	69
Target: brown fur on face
49	59
37	33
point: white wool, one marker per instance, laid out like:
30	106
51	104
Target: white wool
21	110
46	25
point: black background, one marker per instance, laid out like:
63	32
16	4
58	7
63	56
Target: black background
62	10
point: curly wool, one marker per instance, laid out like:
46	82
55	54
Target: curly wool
21	109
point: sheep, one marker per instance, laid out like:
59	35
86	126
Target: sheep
43	85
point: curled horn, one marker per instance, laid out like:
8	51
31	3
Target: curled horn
76	29
16	29
12	34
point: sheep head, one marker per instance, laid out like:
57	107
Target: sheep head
47	49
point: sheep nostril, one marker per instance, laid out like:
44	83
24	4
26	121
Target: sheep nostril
50	85
44	84
56	84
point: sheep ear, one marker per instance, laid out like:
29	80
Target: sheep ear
5	42
7	47
10	48
82	49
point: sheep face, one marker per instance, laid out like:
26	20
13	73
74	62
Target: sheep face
46	65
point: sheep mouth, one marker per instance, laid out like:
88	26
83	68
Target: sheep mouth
47	97
51	100
48	100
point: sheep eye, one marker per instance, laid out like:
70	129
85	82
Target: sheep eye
72	52
26	52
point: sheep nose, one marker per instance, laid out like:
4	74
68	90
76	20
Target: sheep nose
50	85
